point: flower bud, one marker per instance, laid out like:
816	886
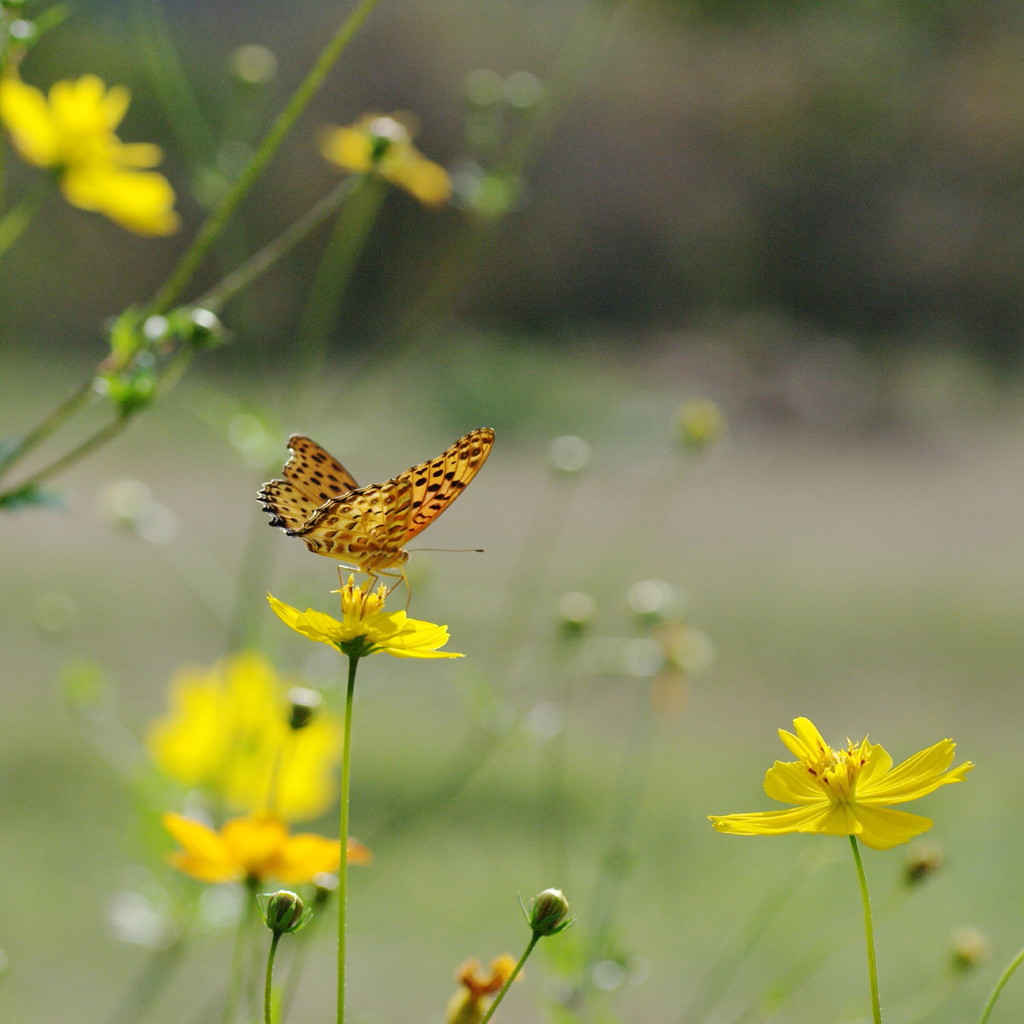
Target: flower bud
549	913
922	861
969	948
303	706
325	886
285	912
576	611
699	423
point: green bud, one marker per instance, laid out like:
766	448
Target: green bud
699	423
304	704
922	861
325	886
549	913
285	912
576	611
969	948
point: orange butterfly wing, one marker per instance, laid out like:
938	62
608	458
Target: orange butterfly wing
368	526
312	476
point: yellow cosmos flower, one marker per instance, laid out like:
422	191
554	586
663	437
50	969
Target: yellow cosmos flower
365	627
228	733
254	850
847	792
72	131
384	145
477	989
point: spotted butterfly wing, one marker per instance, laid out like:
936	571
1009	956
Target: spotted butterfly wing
368	526
312	476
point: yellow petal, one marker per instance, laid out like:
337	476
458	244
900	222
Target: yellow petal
882	827
26	115
348	148
306	855
427	181
141	201
769	823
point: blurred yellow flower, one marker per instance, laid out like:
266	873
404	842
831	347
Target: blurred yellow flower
365	626
477	989
847	792
383	144
72	132
255	849
228	733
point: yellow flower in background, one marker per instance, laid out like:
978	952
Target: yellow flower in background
72	132
477	989
255	849
847	791
228	733
384	144
365	627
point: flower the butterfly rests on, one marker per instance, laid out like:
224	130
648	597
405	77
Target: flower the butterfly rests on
367	527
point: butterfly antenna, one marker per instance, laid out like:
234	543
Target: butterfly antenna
453	551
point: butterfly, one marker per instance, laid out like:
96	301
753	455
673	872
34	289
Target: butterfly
367	527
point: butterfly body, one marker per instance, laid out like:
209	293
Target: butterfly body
367	527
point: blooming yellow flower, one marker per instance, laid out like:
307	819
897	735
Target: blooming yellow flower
476	989
227	732
365	627
847	792
384	144
73	133
255	849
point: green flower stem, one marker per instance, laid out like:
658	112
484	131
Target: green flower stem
51	422
215	223
346	762
152	979
266	257
238	959
997	989
724	969
335	271
534	939
168	379
170	82
17	218
268	987
98	438
869	932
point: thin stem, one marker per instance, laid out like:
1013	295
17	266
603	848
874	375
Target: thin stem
266	257
148	984
534	939
999	986
17	218
99	437
47	425
335	271
239	956
346	761
724	969
268	987
215	223
869	932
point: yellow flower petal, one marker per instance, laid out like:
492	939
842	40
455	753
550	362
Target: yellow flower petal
382	143
226	732
838	792
73	131
256	848
26	116
364	620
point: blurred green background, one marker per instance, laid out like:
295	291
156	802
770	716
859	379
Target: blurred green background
809	213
